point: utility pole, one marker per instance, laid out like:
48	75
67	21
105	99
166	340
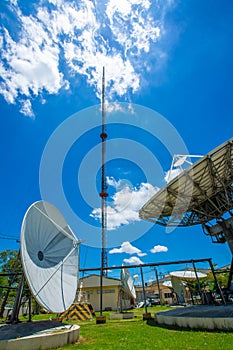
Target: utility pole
157	281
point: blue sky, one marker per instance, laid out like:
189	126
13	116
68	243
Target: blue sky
168	89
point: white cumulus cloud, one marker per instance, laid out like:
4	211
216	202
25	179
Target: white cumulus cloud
26	108
82	36
134	260
171	174
126	203
128	248
159	249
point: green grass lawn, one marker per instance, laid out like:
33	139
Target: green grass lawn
137	334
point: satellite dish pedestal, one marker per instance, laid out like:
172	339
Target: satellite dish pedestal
120	298
227	228
14	318
222	232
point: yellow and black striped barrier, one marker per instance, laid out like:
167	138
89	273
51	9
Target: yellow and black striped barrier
80	312
92	311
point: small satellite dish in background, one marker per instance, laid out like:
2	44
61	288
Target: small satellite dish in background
49	257
188	275
128	282
179	281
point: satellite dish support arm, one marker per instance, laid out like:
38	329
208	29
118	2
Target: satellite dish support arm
17	304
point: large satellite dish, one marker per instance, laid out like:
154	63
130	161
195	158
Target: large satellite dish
201	193
49	257
128	282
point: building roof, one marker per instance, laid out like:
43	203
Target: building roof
94	281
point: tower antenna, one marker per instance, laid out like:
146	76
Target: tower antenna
103	194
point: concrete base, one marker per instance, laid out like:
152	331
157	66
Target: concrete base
122	316
100	319
146	316
39	335
208	317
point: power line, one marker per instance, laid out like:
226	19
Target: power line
7	237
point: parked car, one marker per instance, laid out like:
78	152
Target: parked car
154	301
228	297
142	304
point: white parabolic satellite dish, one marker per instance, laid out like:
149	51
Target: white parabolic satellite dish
128	282
187	275
49	257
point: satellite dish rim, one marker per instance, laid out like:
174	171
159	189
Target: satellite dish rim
187	275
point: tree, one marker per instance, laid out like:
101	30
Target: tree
10	263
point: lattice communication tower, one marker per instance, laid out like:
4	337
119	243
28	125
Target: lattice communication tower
103	194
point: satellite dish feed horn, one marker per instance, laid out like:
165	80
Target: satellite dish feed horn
49	257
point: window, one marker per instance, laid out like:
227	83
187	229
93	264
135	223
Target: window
88	292
107	291
167	295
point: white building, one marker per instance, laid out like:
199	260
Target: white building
90	293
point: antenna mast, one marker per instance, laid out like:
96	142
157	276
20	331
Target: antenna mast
103	194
